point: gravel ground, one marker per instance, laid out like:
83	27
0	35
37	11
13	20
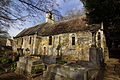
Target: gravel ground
111	71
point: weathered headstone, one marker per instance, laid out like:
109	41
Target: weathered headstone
62	72
48	59
95	56
28	65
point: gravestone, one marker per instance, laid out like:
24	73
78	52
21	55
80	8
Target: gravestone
65	72
96	56
29	66
48	59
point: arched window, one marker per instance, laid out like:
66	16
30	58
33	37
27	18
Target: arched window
50	16
73	40
50	40
22	41
99	39
30	40
99	36
17	42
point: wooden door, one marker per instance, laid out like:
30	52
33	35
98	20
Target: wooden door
44	50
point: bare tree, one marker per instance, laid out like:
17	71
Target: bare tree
15	11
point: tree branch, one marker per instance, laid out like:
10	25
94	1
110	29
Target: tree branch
37	7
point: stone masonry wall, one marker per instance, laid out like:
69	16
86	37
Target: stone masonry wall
62	45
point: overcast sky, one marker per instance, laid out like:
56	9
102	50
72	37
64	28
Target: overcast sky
63	8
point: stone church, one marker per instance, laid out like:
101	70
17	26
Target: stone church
70	39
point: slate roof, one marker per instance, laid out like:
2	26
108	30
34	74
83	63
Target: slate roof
67	26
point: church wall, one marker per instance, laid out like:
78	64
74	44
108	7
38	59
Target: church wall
24	43
62	46
102	43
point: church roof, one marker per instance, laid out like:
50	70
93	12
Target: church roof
67	26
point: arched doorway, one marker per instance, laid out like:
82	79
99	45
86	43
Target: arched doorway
45	51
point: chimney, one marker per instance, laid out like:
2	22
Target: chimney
49	17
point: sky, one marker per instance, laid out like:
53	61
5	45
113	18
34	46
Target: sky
63	8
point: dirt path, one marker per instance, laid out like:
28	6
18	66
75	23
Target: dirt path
11	76
1	70
112	70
